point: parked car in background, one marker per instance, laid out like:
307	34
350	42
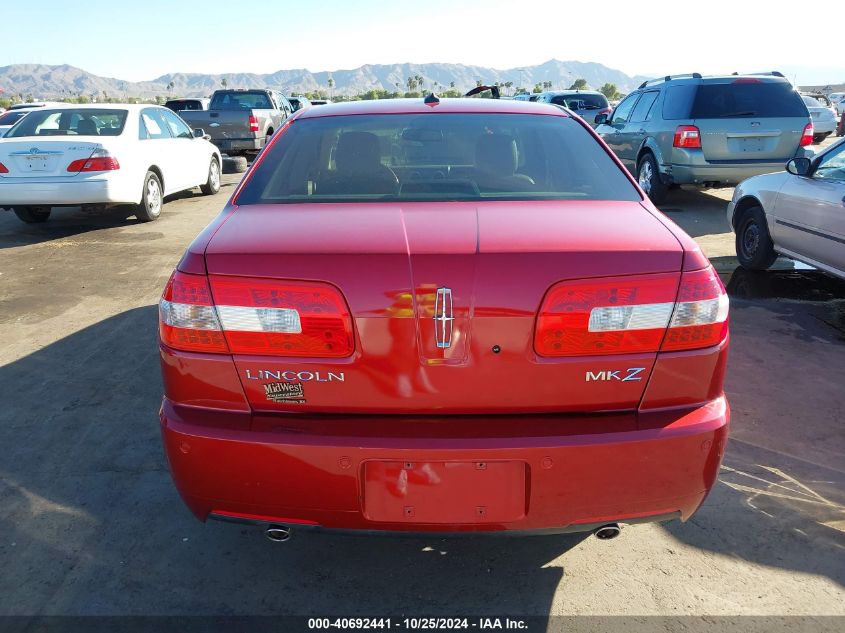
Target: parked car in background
180	105
320	101
365	336
102	155
10	117
711	131
798	213
526	96
241	121
299	102
585	103
822	114
836	99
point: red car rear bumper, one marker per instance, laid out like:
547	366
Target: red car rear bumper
436	475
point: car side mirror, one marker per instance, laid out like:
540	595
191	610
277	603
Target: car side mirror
601	119
199	133
798	166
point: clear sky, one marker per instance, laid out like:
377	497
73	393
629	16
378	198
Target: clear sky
134	40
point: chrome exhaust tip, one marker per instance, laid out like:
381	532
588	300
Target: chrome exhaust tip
607	532
278	533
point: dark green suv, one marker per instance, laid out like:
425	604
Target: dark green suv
711	131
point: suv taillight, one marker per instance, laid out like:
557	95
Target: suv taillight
807	136
253	123
243	315
687	136
643	313
3	169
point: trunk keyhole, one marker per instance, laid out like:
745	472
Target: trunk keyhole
496	349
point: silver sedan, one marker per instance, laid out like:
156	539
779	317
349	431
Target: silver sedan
799	213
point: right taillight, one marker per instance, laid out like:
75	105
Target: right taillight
100	160
636	314
687	136
700	317
807	136
3	169
244	315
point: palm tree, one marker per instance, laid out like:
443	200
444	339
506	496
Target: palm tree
331	88
452	84
224	82
412	84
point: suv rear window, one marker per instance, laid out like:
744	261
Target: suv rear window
187	104
579	101
760	99
441	157
240	101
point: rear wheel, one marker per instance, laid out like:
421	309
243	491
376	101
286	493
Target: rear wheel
648	177
212	185
754	247
818	138
32	215
151	199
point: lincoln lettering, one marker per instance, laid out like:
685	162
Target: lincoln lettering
290	376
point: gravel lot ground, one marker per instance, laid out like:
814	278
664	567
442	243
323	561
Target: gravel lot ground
90	523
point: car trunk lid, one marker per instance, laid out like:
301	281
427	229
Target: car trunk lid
39	158
419	275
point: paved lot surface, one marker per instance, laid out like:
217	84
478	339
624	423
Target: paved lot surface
91	524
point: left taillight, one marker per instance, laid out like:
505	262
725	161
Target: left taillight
636	314
245	315
687	136
100	160
253	123
3	169
186	315
807	136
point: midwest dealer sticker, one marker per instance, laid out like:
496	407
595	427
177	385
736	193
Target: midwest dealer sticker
285	392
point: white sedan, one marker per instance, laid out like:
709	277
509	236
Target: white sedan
102	155
798	213
823	117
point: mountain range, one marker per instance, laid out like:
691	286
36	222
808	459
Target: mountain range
45	82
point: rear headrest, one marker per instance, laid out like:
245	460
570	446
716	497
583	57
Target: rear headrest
357	151
86	127
497	153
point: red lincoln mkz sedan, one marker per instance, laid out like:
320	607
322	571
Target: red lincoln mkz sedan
443	316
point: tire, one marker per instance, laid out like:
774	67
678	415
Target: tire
754	247
212	185
152	199
818	138
648	177
235	165
32	215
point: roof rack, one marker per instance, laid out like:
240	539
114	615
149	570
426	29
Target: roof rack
668	78
771	73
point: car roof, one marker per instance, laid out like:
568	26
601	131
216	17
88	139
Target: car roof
556	93
417	106
131	107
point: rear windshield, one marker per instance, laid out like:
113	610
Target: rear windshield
581	101
179	106
436	157
747	99
12	116
241	101
87	122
